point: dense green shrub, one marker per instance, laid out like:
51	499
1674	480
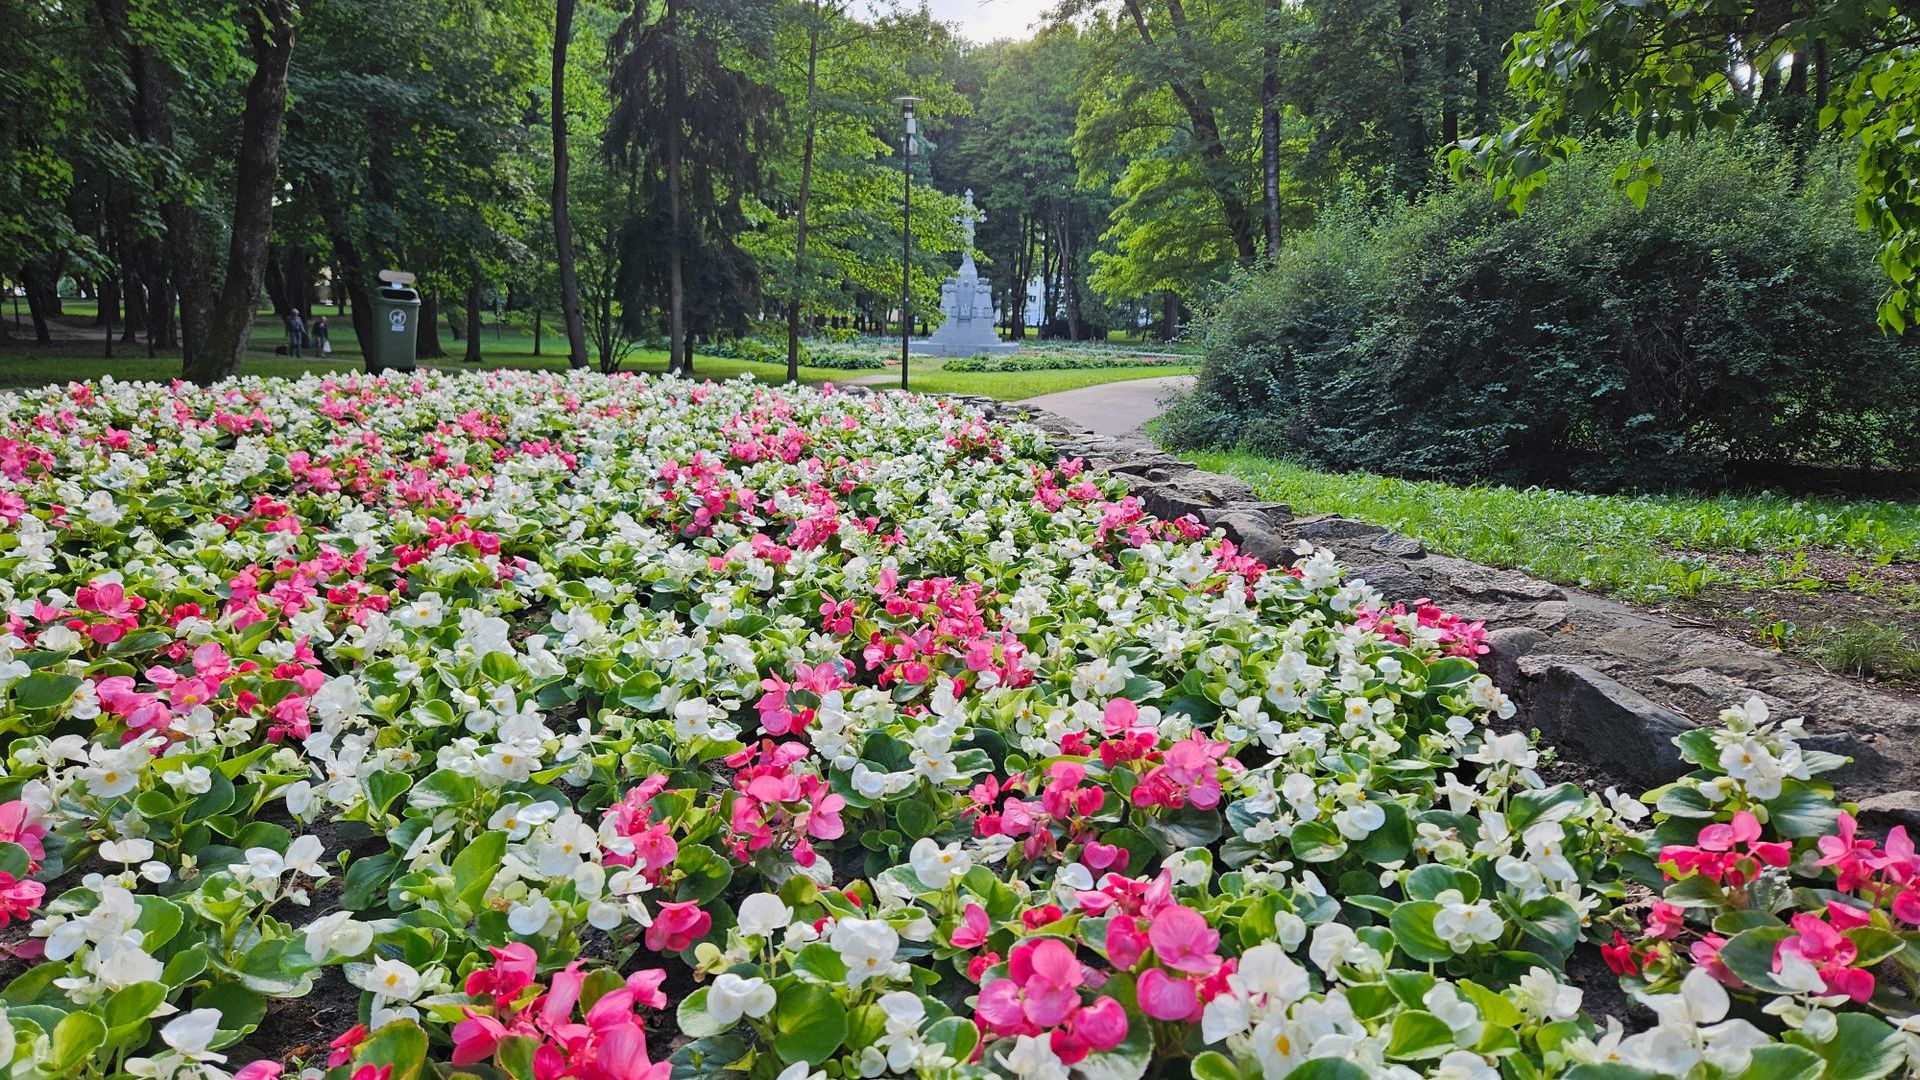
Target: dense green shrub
1727	327
854	355
1065	358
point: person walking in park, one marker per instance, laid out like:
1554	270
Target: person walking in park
296	334
320	339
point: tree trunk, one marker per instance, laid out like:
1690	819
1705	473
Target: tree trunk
189	265
539	324
677	359
427	337
1169	317
562	218
473	324
1270	124
270	35
109	307
299	281
1416	127
276	285
41	283
454	325
806	190
136	303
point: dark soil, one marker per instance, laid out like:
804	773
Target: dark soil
297	1030
1827	594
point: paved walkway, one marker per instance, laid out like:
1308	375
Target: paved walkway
1115	408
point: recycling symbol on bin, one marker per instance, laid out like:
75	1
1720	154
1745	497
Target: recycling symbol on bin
398	321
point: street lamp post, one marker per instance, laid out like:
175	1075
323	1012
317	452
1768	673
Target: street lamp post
906	103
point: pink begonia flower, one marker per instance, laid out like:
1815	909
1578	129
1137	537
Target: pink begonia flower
677	925
646	987
1818	943
1049	978
17	826
259	1070
1125	943
18	898
973	928
1183	941
1666	920
514	967
476	1038
1103	1024
1706	954
1165	997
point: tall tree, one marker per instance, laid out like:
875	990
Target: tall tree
562	222
692	114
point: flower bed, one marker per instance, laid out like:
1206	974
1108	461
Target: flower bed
615	728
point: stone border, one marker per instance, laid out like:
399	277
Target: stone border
1607	684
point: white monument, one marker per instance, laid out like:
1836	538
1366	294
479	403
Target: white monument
966	299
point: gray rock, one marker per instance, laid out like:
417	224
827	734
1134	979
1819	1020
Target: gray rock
1191	494
1332	527
1400	547
1596	720
1891	809
1254	534
1505	648
1394	580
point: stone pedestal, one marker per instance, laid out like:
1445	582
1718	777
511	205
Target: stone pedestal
966	299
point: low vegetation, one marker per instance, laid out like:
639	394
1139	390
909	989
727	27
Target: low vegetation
1836	581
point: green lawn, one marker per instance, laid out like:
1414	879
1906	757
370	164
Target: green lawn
24	365
1019	385
1836	580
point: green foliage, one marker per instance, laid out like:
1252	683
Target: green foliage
1671	68
1063	358
1724	327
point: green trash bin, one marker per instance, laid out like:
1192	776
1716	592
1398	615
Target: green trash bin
396	323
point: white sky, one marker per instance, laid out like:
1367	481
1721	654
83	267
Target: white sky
984	20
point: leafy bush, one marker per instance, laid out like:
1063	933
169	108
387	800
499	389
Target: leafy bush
1048	358
1728	325
839	356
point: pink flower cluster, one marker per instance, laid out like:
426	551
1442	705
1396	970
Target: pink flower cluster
1730	854
1820	943
773	804
1040	993
653	845
1456	636
608	1043
1889	875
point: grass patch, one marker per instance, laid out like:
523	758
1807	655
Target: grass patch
1835	581
1020	385
27	365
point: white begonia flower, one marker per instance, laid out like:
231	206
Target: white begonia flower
866	945
189	1034
731	997
1462	925
390	979
763	914
337	934
1033	1058
303	857
936	865
1542	994
1358	821
531	917
127	851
